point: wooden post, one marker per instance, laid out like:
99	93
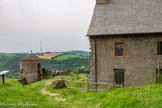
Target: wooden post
98	85
88	84
113	85
3	79
69	84
106	86
77	74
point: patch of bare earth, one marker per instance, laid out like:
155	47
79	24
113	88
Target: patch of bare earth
45	92
49	82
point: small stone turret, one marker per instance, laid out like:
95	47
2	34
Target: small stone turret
31	69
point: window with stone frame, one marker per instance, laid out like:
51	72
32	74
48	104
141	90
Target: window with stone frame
159	48
118	49
119	76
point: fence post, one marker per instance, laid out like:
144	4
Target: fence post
69	84
158	71
3	79
88	84
113	85
107	86
98	84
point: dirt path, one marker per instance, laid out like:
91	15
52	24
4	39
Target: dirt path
45	92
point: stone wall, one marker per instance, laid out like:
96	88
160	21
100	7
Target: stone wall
29	71
65	72
48	72
140	59
61	73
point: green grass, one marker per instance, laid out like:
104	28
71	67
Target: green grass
149	96
68	56
14	93
66	93
133	97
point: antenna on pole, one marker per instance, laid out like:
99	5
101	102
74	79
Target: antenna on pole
41	50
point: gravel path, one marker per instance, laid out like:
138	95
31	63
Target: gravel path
45	92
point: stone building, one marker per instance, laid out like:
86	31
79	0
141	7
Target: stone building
31	69
125	41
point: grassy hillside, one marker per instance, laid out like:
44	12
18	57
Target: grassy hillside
11	62
132	97
8	55
68	56
50	55
77	52
19	96
66	64
148	96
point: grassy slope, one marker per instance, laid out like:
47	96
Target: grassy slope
68	56
14	93
64	91
132	97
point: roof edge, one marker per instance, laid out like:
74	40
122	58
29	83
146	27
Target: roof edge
124	34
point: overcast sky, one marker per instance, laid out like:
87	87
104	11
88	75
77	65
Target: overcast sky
61	25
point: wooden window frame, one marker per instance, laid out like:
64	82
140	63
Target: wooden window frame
123	80
122	49
158	48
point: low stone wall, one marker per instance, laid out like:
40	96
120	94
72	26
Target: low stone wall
66	72
22	81
48	72
61	73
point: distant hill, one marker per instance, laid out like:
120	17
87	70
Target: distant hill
50	55
66	61
11	62
60	61
78	52
67	56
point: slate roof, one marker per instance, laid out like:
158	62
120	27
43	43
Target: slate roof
31	57
126	17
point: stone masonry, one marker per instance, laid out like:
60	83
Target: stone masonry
140	59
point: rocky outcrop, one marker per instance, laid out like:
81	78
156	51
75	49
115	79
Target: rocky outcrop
59	84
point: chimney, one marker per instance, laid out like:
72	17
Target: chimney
101	2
